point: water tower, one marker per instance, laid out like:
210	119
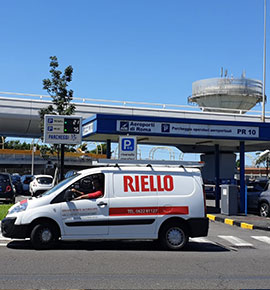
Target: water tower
226	94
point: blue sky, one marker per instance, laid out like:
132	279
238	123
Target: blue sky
136	50
130	50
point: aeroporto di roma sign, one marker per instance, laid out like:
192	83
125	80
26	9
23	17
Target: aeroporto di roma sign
167	128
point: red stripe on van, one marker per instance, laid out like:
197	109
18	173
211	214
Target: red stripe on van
161	210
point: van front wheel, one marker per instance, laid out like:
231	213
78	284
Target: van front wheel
173	237
43	236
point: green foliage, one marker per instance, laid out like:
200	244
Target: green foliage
57	89
83	148
100	149
4	209
263	160
16	144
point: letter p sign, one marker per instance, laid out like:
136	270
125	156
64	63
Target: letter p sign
128	144
128	147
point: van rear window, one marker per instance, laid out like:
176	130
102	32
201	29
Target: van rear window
44	180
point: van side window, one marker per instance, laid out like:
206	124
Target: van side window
90	184
86	185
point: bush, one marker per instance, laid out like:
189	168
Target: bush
4	209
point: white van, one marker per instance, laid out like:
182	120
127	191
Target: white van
139	202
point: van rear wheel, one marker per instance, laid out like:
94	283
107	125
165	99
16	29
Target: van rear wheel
43	236
173	237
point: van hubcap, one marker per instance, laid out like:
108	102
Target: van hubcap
175	236
46	236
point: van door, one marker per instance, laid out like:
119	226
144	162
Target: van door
133	206
86	217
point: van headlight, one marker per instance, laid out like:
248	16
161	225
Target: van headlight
18	208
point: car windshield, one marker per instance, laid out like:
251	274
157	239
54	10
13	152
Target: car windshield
62	183
44	180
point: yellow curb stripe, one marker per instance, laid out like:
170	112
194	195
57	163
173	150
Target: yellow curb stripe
211	217
246	226
228	222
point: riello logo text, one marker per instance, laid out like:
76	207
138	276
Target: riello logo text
145	183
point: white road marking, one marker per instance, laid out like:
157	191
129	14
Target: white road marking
263	239
201	240
237	242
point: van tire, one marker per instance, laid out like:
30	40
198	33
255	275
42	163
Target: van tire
43	236
173	237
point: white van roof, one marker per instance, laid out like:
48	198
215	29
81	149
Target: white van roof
148	163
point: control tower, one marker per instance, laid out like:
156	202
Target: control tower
226	94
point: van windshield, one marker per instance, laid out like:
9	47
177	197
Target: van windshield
62	183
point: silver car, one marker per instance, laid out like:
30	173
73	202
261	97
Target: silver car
258	197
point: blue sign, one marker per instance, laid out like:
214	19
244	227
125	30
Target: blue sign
124	126
128	144
165	128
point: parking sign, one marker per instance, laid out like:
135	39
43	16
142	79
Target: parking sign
128	147
60	129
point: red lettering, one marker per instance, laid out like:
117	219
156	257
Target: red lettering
144	183
137	183
152	186
168	183
159	185
128	180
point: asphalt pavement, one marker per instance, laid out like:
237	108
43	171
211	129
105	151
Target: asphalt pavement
249	221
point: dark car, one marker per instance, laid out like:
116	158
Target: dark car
25	180
16	180
7	189
258	197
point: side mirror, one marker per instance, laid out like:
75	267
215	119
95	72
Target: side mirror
69	195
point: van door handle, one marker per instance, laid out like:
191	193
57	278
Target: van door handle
102	203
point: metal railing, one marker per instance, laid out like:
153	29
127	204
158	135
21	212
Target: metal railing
129	104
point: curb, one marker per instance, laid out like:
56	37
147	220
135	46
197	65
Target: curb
232	222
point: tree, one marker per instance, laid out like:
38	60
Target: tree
263	158
57	89
61	96
100	149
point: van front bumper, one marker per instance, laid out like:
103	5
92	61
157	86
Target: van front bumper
10	230
198	227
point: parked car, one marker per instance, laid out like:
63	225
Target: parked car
258	197
40	184
16	180
7	188
25	180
